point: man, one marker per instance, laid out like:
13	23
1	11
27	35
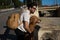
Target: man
25	18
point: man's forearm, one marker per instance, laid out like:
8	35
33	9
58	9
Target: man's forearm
27	27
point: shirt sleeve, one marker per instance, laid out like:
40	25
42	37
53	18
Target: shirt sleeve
26	16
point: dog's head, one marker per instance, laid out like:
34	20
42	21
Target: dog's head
34	19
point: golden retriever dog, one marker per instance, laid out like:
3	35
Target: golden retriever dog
33	20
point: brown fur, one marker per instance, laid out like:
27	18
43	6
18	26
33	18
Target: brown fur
33	21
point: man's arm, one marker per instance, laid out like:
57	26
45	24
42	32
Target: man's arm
26	19
27	26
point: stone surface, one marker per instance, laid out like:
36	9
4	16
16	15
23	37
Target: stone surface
49	25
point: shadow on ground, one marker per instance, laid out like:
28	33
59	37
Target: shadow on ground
7	36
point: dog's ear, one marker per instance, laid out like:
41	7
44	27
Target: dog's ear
31	20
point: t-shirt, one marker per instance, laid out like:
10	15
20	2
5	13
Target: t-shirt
25	16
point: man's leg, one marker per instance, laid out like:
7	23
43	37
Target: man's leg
20	34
